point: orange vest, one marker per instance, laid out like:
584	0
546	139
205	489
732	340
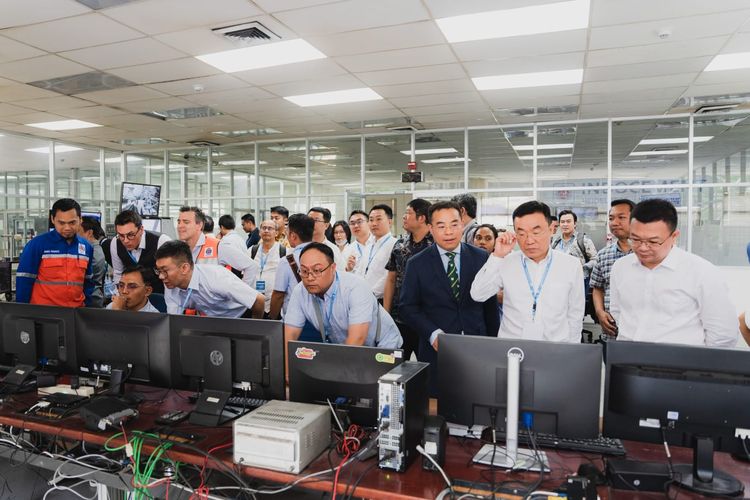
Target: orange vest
209	253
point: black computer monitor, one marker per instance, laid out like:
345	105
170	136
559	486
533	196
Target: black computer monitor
691	396
137	343
39	336
559	383
345	375
142	198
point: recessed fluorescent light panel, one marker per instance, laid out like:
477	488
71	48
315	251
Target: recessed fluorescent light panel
722	62
663	152
59	148
262	56
675	140
433	151
530	147
242	162
335	97
542	157
63	125
444	160
546	18
524	80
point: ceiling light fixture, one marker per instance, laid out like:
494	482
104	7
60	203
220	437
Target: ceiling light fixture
546	18
444	160
262	56
525	80
242	162
432	151
335	97
675	140
59	148
662	152
63	125
542	157
530	147
723	62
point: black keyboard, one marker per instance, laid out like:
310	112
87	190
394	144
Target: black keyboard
246	403
600	445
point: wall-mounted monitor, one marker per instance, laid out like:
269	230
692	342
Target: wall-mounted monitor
142	198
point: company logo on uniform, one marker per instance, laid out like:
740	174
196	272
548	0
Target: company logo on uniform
81	249
209	252
25	337
216	357
305	353
385	358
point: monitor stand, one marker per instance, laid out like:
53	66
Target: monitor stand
701	477
209	408
511	456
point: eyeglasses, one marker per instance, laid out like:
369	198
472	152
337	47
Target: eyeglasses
267	228
315	273
128	236
129	286
158	272
357	222
319	220
536	233
635	242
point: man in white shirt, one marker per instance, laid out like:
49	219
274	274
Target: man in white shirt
358	223
267	254
322	218
661	293
542	288
372	264
229	236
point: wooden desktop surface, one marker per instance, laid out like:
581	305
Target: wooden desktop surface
414	483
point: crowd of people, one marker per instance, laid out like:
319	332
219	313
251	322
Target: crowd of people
353	282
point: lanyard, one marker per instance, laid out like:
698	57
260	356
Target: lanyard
535	293
263	260
132	257
374	251
187	299
329	310
359	248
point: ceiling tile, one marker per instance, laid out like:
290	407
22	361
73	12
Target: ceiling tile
522	46
431	100
447	8
379	39
37	117
11	50
672	93
17	92
716	89
73	33
662	51
656	68
196	41
91	112
413	75
40	68
54	103
714	77
176	69
425	88
125	94
162	104
130	53
10	110
556	95
329	84
519	65
444	108
163	16
403	58
19	13
352	15
215	83
291	72
655	82
635	11
229	101
740	42
616	109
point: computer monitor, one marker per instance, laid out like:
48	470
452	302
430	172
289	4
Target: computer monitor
221	356
691	396
345	375
142	198
152	225
138	343
39	336
93	215
559	384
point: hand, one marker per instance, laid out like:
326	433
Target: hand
119	303
504	244
351	262
607	323
435	344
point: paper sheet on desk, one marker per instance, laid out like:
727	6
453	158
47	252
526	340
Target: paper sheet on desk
474	432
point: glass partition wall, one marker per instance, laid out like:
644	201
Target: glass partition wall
698	162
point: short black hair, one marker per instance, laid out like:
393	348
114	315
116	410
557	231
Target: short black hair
655	210
567	212
200	217
127	217
358	212
147	275
623	201
532	207
177	250
345	226
442	205
420	207
64	205
320	247
303	226
385	208
282	211
322	211
553	218
208	226
91	224
227	221
247	218
468	203
492	228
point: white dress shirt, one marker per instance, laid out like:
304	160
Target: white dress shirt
560	305
683	300
233	238
233	257
213	291
360	252
372	264
337	258
268	263
118	266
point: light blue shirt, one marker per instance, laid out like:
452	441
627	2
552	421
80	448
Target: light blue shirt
285	280
456	260
213	291
354	304
147	308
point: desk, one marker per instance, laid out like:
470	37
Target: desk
376	484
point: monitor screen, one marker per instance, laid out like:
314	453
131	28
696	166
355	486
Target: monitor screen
344	374
93	215
152	225
559	383
39	335
136	342
229	355
142	198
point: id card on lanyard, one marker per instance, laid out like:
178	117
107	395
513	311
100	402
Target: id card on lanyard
374	251
534	330
324	320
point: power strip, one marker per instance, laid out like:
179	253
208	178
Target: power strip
87	391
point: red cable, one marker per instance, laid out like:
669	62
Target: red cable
202	490
336	478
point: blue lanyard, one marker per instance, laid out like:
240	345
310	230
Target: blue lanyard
263	260
536	293
187	299
359	248
374	251
132	257
329	309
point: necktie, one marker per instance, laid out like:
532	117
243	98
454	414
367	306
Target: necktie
453	274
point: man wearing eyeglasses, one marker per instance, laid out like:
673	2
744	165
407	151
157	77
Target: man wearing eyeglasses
363	238
340	305
134	245
661	293
133	290
322	218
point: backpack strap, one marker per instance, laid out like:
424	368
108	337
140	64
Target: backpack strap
293	265
582	247
254	250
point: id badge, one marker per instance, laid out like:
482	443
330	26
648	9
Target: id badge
533	330
260	286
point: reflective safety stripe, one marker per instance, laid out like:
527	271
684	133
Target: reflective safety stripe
26	275
63	283
65	256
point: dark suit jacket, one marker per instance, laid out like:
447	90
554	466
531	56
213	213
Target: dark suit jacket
428	304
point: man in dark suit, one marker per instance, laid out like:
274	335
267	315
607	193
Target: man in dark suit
435	296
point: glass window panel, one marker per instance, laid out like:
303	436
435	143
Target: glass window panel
571	155
384	162
77	173
495	164
112	179
721	149
136	168
282	170
496	208
721	224
335	165
677	196
589	205
661	159
440	155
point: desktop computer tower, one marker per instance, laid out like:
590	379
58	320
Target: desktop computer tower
403	405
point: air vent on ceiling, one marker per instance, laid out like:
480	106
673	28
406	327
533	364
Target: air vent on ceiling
714	108
83	82
245	34
539	110
203	143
